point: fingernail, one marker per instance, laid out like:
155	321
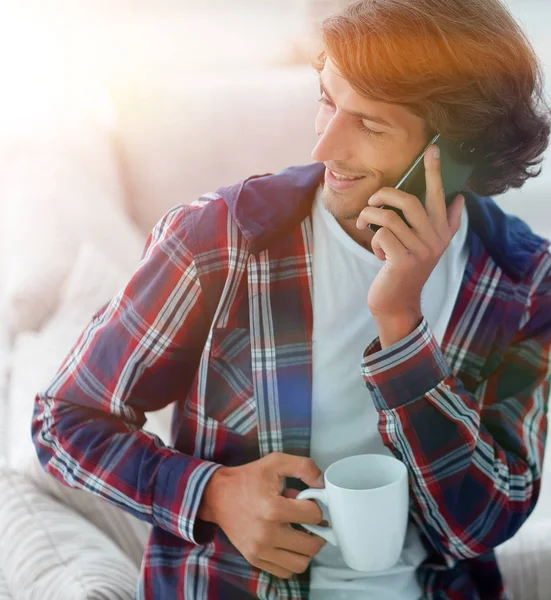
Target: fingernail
320	480
436	152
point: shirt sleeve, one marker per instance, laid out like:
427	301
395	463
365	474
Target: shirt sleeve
138	354
474	460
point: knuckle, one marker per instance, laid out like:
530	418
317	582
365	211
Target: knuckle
394	218
263	538
270	511
315	512
274	457
258	543
302	564
250	555
251	558
424	254
438	248
306	465
286	574
313	547
255	548
387	217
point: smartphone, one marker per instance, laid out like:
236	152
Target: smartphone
456	166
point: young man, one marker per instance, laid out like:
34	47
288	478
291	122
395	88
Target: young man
290	335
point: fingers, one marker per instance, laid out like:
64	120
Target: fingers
301	467
287	510
454	213
386	245
413	237
394	223
273	569
291	553
290	493
409	204
288	561
299	542
435	200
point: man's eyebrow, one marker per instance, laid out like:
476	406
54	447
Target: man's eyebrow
360	115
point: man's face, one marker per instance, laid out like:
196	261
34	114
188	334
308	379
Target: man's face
359	147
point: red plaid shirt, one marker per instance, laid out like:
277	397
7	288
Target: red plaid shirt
218	319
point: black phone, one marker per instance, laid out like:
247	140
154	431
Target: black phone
457	161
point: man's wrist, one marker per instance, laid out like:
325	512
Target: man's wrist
396	328
211	493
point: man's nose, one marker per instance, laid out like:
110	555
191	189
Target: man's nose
333	143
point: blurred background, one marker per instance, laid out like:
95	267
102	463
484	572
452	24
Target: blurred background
111	112
158	75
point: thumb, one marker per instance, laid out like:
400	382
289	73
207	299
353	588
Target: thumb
454	212
300	467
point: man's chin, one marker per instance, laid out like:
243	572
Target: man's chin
341	207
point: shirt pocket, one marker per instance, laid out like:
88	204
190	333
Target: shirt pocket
229	397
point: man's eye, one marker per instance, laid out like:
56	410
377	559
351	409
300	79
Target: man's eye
369	131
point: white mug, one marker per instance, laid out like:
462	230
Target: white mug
368	501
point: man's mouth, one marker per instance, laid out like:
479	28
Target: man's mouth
339	181
342	177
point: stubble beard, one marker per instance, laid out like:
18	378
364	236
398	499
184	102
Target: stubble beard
333	203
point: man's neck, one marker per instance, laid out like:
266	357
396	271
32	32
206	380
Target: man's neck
361	236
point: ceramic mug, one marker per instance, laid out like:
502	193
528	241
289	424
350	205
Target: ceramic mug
367	498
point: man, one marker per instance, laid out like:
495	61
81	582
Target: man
290	335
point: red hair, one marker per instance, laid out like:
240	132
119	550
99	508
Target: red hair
464	66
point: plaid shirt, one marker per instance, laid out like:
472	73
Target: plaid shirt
218	319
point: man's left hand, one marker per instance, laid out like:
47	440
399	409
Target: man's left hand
410	255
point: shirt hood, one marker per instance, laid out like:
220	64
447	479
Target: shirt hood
270	205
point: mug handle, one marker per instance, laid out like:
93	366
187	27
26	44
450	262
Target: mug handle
326	533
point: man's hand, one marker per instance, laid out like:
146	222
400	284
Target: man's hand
410	255
246	502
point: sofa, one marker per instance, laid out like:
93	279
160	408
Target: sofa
76	207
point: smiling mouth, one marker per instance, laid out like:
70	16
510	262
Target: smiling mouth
339	182
341	177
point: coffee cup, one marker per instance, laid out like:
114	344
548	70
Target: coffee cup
367	498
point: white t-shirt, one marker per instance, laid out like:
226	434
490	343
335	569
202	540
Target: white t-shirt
344	420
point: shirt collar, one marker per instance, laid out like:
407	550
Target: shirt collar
271	205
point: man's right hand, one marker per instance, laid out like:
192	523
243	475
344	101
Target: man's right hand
246	502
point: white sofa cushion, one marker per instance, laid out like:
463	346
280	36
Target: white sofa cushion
4	372
36	357
49	551
525	558
183	136
130	534
53	198
525	561
94	280
5	593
